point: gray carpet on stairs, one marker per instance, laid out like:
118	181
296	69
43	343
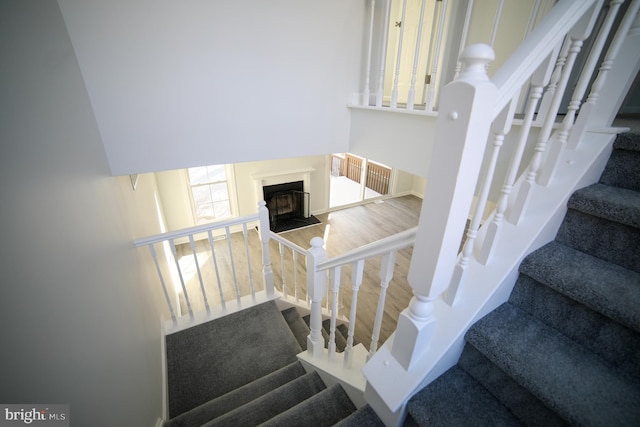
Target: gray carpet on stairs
565	348
212	359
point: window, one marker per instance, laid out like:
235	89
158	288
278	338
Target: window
210	193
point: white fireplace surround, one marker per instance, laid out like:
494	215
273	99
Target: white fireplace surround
281	177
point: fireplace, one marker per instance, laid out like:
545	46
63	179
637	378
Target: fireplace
288	206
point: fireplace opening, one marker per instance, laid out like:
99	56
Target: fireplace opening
288	206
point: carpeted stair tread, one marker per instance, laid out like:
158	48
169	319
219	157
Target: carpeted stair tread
323	409
608	240
622	168
612	203
298	327
238	397
604	287
456	399
273	403
203	362
363	417
601	334
578	385
517	399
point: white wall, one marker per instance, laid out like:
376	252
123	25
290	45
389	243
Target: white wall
79	324
187	83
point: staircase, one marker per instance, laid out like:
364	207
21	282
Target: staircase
242	369
565	348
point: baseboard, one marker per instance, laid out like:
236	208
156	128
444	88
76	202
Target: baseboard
159	422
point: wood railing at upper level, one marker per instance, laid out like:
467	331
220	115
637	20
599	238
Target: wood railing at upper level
377	177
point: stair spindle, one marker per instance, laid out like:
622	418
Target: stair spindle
164	285
357	271
197	263
396	78
285	294
538	80
334	273
215	266
431	93
184	287
236	285
416	57
463	37
383	57
366	94
249	272
387	267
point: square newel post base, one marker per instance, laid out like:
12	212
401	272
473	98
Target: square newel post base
412	337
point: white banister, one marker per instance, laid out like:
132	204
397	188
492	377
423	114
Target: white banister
577	35
249	272
501	126
154	255
366	93
550	92
283	271
335	290
387	266
383	55
539	79
316	289
587	72
192	244
496	23
431	92
216	268
411	97
187	301
236	285
463	37
357	271
396	78
265	234
458	145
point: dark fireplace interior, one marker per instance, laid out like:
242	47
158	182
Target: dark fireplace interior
288	206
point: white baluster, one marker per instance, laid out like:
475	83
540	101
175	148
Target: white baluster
267	272
367	93
431	93
496	23
246	245
501	126
532	17
295	275
236	286
192	243
357	271
463	37
396	78
538	80
416	57
164	286
316	288
215	266
387	266
587	71
335	289
383	56
430	56
462	128
549	94
285	294
586	112
577	35
184	288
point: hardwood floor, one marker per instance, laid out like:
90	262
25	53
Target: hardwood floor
343	230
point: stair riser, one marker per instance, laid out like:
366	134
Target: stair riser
600	334
611	241
622	170
517	399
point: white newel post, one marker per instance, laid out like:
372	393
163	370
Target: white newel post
317	289
267	272
464	119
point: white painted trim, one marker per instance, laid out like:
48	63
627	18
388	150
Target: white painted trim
159	422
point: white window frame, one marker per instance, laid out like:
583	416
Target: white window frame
230	182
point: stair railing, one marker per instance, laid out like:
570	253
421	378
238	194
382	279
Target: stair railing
322	269
473	110
206	242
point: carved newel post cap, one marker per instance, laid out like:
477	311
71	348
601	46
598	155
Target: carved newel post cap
474	59
317	242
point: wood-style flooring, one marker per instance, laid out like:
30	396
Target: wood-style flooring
343	230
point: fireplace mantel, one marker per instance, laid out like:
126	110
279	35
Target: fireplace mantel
281	177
